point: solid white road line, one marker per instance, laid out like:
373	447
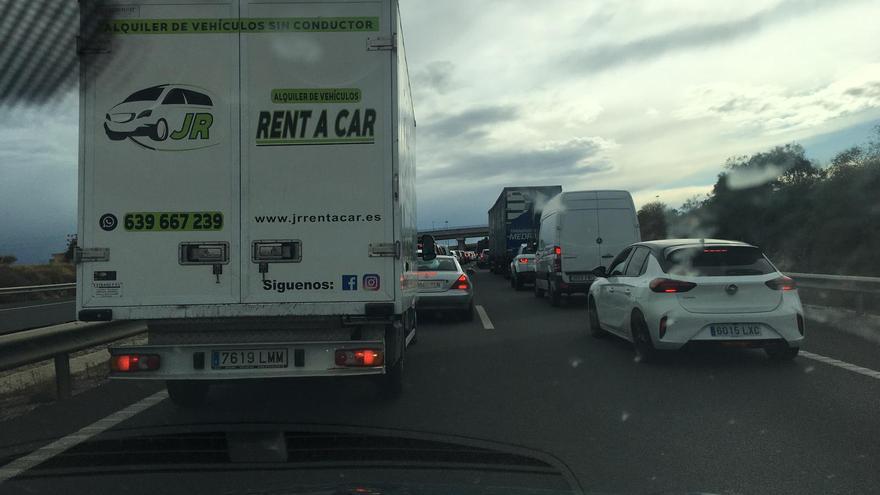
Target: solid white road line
487	323
841	364
43	454
37	306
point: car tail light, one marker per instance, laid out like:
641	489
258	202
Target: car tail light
782	283
134	362
800	320
662	327
669	286
523	260
359	357
557	251
462	283
557	261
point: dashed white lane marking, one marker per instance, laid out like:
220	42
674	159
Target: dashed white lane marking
841	364
487	323
43	454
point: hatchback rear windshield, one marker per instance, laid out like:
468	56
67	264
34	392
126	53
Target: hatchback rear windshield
438	265
717	261
530	249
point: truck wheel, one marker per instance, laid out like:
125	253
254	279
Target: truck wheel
391	383
186	393
555	296
538	291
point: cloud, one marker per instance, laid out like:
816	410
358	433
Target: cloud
611	55
437	76
774	109
469	122
560	160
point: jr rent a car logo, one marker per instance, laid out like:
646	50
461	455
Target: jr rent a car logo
167	117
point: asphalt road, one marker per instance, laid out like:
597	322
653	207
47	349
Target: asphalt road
23	315
718	422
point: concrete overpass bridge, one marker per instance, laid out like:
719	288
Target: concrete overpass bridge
460	233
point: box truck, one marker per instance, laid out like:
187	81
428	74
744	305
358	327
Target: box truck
579	231
247	187
513	221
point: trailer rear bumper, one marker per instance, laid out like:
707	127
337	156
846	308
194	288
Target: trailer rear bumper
242	361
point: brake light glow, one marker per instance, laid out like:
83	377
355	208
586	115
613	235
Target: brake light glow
782	283
134	362
462	283
359	357
669	286
557	250
524	260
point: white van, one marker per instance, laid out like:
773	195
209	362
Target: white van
579	231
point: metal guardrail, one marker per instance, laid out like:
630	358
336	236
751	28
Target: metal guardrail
36	288
859	286
58	342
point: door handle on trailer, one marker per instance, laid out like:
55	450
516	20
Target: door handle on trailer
611	289
627	291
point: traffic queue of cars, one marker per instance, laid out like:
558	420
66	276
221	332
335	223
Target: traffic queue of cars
659	295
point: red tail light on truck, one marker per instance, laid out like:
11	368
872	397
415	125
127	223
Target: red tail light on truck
359	357
134	362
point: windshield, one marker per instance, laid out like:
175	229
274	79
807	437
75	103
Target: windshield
149	94
717	261
438	265
413	247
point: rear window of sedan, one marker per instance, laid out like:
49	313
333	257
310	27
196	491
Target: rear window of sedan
717	261
438	265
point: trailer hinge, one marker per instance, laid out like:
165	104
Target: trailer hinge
382	43
83	255
385	249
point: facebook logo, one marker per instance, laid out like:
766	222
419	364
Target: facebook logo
349	282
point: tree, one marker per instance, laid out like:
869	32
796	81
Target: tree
7	259
71	248
652	221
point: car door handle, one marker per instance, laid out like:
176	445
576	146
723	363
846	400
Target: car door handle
611	289
607	255
627	291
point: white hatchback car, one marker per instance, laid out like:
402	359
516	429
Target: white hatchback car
667	294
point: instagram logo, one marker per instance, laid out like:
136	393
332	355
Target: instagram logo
371	281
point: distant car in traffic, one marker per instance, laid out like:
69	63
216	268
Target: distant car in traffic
522	268
668	294
483	259
445	287
579	231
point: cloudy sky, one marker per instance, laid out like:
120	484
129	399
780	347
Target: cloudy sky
646	96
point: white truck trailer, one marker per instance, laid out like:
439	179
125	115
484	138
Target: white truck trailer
247	187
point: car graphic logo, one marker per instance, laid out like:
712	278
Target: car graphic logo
731	289
167	117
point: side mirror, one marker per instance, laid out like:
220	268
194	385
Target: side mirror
600	271
429	248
